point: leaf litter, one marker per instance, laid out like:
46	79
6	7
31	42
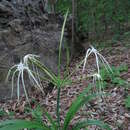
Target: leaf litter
111	109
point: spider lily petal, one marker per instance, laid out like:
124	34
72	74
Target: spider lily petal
13	76
106	64
29	57
9	72
18	86
86	57
34	79
22	78
97	77
32	57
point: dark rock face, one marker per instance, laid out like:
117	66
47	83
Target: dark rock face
37	35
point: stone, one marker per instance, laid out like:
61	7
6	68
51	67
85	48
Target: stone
4	10
16	42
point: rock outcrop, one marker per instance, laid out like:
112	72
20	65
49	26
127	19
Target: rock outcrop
22	34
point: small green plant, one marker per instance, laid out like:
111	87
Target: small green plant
2	113
127	102
59	81
115	77
6	113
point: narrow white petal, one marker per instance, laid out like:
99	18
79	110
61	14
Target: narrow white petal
86	58
30	73
97	62
7	77
29	57
22	77
9	72
103	59
18	86
12	90
39	80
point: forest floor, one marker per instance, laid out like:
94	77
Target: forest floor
111	109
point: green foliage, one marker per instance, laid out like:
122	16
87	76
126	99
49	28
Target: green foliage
21	124
76	105
98	16
63	5
83	124
127	102
126	35
37	113
114	78
2	113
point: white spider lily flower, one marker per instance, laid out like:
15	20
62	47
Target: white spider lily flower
98	57
97	77
29	57
19	70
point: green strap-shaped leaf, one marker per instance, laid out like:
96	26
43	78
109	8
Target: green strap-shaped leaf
86	123
21	124
44	69
52	122
76	105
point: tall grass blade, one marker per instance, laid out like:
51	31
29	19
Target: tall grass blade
61	40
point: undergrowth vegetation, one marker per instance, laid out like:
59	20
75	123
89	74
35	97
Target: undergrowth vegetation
32	66
115	77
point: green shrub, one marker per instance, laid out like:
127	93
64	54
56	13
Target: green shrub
115	77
